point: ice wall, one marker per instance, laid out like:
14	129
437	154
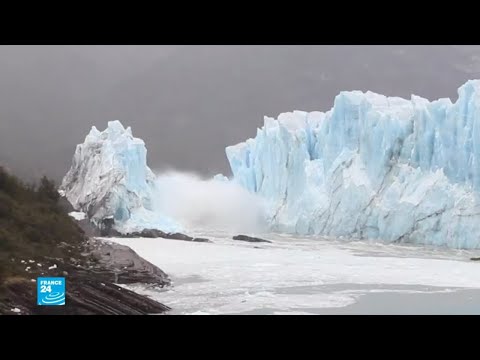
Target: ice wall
373	167
109	177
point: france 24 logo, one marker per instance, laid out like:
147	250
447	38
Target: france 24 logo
51	291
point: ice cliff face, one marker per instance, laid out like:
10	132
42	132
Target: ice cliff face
373	167
109	177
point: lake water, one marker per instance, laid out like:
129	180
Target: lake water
307	275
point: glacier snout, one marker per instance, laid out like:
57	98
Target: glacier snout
373	167
110	180
109	176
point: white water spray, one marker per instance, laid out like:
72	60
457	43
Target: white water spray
198	203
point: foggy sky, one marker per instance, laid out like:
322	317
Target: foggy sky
189	102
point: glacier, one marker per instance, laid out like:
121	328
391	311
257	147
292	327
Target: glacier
111	184
372	167
110	178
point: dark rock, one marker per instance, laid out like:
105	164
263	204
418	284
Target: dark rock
145	233
178	236
114	233
250	239
89	228
86	295
120	264
106	227
154	233
134	234
65	205
111	299
201	240
475	259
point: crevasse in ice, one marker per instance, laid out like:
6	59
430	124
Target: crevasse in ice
373	167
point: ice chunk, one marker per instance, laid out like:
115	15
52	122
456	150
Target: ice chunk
221	178
77	215
110	179
109	174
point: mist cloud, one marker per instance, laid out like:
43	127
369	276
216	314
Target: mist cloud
198	203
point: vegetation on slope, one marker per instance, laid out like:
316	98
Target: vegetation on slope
39	238
33	226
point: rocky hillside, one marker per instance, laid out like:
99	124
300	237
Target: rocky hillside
38	238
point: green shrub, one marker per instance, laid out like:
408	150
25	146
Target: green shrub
32	224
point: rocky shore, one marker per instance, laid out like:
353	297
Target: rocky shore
92	284
40	236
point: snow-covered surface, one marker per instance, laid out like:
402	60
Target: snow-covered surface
373	167
77	215
294	274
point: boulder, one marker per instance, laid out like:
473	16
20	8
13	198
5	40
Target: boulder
250	239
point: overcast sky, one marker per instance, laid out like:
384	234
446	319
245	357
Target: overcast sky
189	102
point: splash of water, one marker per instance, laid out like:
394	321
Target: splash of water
198	203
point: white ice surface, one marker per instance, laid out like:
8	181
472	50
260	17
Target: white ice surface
230	277
77	215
